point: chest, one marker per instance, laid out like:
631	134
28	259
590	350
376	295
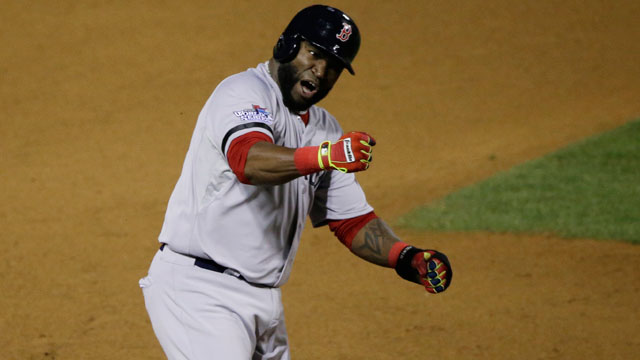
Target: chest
290	131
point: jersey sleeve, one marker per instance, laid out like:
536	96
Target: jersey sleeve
241	104
239	151
339	196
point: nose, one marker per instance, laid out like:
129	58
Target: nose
319	68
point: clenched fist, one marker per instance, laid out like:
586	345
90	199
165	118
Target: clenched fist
429	268
351	153
434	270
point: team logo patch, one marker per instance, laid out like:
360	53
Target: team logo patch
345	33
257	114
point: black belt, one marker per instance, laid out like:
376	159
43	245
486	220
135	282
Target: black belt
214	266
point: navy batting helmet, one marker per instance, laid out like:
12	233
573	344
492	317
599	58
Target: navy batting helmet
325	27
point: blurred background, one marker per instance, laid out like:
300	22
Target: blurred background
98	100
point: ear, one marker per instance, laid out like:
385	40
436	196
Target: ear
286	48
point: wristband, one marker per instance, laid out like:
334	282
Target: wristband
394	253
311	159
403	264
306	160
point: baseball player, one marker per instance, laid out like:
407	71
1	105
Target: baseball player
262	158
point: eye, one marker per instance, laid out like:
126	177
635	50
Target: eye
312	51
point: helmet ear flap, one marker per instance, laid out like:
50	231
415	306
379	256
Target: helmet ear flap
286	48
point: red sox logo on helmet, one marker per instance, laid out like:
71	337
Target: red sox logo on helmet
344	33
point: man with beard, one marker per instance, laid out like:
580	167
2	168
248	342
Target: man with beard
262	158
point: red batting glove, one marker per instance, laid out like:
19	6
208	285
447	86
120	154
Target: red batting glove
351	153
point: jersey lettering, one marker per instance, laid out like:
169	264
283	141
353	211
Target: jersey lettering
313	179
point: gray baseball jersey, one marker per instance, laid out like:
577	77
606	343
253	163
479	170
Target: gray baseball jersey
253	229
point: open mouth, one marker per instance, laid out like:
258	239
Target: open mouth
308	87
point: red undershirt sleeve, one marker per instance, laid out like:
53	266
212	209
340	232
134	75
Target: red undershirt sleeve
345	230
239	150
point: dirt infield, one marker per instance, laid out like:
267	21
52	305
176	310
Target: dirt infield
97	104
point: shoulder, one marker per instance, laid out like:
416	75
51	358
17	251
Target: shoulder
248	83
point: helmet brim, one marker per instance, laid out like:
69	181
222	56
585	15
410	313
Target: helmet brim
344	62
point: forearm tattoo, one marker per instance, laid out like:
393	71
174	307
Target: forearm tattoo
376	243
372	240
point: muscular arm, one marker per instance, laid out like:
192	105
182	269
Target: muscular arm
270	164
374	241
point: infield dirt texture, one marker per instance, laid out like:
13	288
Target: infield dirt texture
98	100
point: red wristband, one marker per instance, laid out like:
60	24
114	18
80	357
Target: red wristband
395	252
306	160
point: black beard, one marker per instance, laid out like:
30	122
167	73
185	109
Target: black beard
287	79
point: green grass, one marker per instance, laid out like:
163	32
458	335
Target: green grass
590	189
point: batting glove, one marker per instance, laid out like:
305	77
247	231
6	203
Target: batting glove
351	153
429	268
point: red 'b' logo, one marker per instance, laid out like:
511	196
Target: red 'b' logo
344	33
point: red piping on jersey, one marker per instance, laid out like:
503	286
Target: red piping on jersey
239	150
345	230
